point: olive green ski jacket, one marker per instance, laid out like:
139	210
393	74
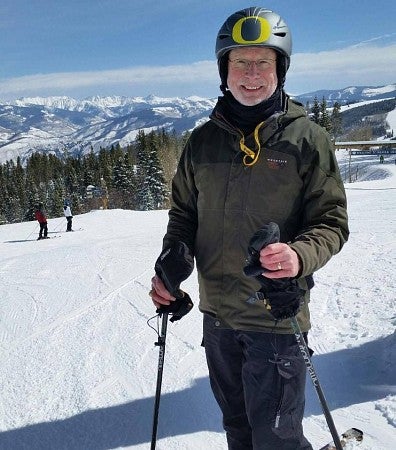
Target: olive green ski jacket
218	203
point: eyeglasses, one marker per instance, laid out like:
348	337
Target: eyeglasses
245	64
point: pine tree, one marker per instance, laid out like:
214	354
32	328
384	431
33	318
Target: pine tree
32	198
336	121
155	178
55	195
169	149
89	164
19	179
123	182
144	201
3	194
105	166
152	192
324	120
315	111
13	210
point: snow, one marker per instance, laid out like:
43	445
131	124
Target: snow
391	120
370	92
78	360
359	104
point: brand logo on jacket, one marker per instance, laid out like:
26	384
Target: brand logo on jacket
276	164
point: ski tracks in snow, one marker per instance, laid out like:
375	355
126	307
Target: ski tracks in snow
353	294
339	302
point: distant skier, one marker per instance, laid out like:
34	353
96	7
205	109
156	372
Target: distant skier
40	216
69	216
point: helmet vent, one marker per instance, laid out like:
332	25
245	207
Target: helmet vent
280	34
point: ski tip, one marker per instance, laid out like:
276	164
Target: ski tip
354	433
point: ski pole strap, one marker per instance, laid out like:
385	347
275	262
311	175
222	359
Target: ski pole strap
282	298
179	307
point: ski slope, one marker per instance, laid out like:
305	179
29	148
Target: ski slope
78	360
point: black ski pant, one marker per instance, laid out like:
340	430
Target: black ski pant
69	223
258	380
43	229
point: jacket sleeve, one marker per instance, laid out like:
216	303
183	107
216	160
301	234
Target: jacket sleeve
325	221
183	218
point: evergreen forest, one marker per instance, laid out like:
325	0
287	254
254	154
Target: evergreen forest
137	177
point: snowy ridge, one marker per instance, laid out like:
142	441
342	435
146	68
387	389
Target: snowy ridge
352	94
79	364
96	122
374	92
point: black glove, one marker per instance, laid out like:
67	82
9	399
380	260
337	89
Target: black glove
268	234
281	296
178	308
174	265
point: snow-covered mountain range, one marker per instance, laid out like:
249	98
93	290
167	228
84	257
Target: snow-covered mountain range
63	124
60	124
351	94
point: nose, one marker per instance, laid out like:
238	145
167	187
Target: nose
251	68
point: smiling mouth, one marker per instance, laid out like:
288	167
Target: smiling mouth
252	88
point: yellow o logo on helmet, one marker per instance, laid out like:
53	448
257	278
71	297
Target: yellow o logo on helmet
265	30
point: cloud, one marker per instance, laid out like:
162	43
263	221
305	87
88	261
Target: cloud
364	64
199	72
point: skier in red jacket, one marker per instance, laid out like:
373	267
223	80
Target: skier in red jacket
42	219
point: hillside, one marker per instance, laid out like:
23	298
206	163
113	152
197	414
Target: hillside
370	114
78	360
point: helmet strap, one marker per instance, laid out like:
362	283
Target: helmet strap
223	71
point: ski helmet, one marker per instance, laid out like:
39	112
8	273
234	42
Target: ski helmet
257	27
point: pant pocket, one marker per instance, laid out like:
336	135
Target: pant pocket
290	411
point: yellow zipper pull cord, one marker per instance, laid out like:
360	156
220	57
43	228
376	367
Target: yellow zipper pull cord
250	153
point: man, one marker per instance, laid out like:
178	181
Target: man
69	216
258	159
39	215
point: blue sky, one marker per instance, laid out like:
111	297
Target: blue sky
166	48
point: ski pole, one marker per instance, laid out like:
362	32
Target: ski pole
161	344
35	228
312	373
58	224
